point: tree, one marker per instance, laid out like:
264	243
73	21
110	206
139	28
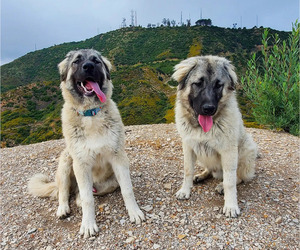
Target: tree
188	22
204	22
168	22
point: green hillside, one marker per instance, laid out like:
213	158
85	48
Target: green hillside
143	61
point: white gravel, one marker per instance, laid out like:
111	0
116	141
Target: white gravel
269	204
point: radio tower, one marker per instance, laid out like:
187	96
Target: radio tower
181	19
132	18
123	25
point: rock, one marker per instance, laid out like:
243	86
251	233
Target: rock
122	222
278	219
102	207
129	233
156	246
129	240
181	236
147	208
31	231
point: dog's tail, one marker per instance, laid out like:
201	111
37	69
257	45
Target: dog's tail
39	185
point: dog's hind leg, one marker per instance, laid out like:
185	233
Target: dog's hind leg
247	157
63	180
107	186
220	189
203	176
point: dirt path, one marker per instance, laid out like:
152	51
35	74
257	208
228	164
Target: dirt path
269	204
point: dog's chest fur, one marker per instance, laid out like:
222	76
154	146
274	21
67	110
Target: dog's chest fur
94	135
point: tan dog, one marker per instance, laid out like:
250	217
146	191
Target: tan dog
94	159
211	127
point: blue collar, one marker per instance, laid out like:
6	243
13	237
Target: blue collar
89	112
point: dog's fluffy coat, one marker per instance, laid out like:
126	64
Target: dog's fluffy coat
226	151
95	146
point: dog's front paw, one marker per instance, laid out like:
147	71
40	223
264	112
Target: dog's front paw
88	229
63	211
136	215
231	211
183	194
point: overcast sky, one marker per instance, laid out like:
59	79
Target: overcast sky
27	25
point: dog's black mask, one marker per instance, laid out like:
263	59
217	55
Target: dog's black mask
90	69
205	96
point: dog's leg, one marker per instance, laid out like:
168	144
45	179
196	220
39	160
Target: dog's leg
107	186
63	180
120	167
83	174
229	163
247	157
203	176
189	163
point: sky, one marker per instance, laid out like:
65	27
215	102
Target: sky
29	25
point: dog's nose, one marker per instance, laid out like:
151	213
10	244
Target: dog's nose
209	109
88	66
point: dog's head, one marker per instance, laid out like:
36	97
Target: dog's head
204	84
85	74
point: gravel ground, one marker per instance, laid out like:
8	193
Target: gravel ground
269	203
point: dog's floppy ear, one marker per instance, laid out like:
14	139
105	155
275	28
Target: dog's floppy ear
182	70
229	68
63	66
107	66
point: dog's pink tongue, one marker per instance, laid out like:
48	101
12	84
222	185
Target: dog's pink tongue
97	90
206	122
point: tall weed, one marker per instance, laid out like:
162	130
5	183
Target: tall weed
271	83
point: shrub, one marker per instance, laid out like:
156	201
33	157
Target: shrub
195	48
271	83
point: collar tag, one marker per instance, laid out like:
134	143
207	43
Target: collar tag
89	112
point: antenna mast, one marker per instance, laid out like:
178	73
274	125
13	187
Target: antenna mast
123	25
132	18
181	18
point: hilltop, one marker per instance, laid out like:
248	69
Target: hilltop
143	60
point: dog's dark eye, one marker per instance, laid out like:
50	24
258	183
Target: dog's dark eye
95	60
218	84
76	61
200	82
